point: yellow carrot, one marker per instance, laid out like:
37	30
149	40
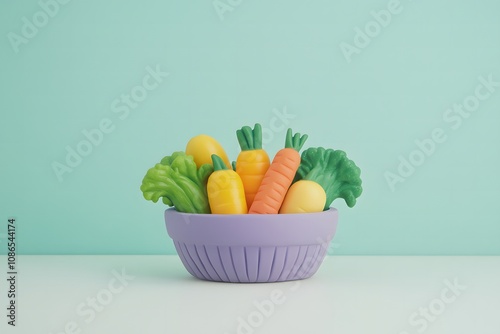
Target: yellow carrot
225	190
252	162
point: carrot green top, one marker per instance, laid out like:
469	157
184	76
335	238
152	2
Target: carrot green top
250	139
296	142
218	163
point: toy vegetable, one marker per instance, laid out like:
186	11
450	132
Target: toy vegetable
279	176
304	196
177	180
202	147
225	190
253	162
333	171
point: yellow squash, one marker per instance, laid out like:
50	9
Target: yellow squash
304	196
202	147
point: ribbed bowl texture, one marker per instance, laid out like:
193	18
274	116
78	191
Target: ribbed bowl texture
251	248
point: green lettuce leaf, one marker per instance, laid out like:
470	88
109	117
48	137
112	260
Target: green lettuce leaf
179	183
339	176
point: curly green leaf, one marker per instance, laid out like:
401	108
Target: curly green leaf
339	176
179	183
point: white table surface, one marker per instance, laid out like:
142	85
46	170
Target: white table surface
349	294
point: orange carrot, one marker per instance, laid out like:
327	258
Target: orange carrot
279	176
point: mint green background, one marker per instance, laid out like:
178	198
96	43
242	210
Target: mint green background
225	74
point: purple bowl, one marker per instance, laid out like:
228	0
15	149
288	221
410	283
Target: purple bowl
251	248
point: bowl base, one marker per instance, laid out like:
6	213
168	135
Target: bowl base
251	264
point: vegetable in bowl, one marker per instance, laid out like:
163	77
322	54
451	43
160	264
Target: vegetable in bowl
279	176
252	162
333	171
179	183
292	183
202	147
225	190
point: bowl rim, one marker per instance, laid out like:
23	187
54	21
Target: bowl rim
252	229
251	214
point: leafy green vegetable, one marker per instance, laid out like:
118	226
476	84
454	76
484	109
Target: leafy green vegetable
177	180
331	169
